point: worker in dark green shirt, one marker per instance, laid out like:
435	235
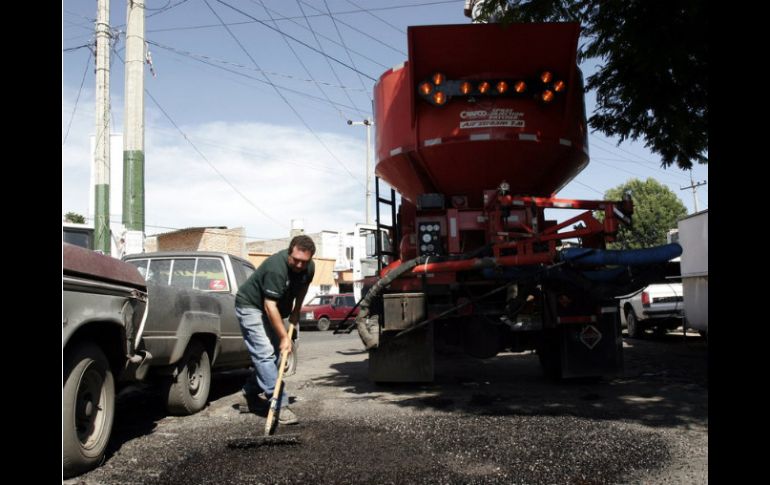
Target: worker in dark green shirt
273	292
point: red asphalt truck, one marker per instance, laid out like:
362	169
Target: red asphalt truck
477	132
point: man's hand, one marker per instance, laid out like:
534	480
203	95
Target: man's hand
285	344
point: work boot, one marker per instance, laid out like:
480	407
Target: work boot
253	403
287	416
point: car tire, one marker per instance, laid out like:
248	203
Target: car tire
323	324
634	330
188	390
88	409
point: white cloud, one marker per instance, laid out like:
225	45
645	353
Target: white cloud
282	170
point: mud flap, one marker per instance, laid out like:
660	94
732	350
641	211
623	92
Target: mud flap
593	349
409	358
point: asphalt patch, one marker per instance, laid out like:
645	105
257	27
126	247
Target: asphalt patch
433	450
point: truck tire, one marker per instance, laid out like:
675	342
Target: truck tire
188	391
88	409
634	330
323	324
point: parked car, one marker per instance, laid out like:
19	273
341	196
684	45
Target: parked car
658	306
191	325
327	311
104	305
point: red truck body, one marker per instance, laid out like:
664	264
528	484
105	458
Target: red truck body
477	131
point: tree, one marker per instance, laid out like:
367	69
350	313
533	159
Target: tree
656	210
654	80
74	217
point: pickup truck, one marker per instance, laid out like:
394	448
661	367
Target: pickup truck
658	306
104	306
191	325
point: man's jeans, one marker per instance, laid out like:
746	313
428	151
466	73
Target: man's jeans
262	343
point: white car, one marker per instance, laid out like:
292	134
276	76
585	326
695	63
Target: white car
658	306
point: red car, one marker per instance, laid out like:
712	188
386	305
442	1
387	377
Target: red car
325	311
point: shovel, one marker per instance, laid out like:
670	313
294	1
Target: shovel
272	416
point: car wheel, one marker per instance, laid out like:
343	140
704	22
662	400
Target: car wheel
633	325
323	324
188	391
88	409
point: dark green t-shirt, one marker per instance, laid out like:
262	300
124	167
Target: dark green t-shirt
274	280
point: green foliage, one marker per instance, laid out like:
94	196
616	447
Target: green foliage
74	217
653	82
656	210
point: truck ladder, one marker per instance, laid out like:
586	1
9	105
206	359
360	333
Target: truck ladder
392	228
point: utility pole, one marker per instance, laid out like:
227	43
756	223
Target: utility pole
133	130
368	123
693	185
102	140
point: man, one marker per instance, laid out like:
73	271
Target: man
273	292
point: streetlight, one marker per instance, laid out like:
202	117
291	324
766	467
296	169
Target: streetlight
368	123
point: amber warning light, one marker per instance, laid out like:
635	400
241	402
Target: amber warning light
544	87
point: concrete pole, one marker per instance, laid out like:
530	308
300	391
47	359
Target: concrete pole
102	139
133	134
368	124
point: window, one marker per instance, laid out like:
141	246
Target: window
159	271
325	289
182	273
350	301
210	275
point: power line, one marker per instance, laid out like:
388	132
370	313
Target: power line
347	51
291	37
377	17
209	26
588	187
334	72
301	63
365	34
82	82
200	58
296	113
69	49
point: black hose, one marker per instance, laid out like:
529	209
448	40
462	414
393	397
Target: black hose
372	339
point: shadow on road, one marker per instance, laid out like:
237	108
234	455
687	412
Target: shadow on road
664	383
139	408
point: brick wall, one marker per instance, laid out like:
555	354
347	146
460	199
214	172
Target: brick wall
231	241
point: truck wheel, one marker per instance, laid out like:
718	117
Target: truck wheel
88	409
189	390
634	331
323	324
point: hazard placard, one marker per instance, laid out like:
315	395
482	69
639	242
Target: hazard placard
590	336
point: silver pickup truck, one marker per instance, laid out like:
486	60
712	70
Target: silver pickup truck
658	306
191	326
104	304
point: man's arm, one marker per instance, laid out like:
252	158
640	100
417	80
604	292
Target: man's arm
294	317
274	315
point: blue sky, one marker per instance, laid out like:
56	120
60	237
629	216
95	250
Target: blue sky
259	158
